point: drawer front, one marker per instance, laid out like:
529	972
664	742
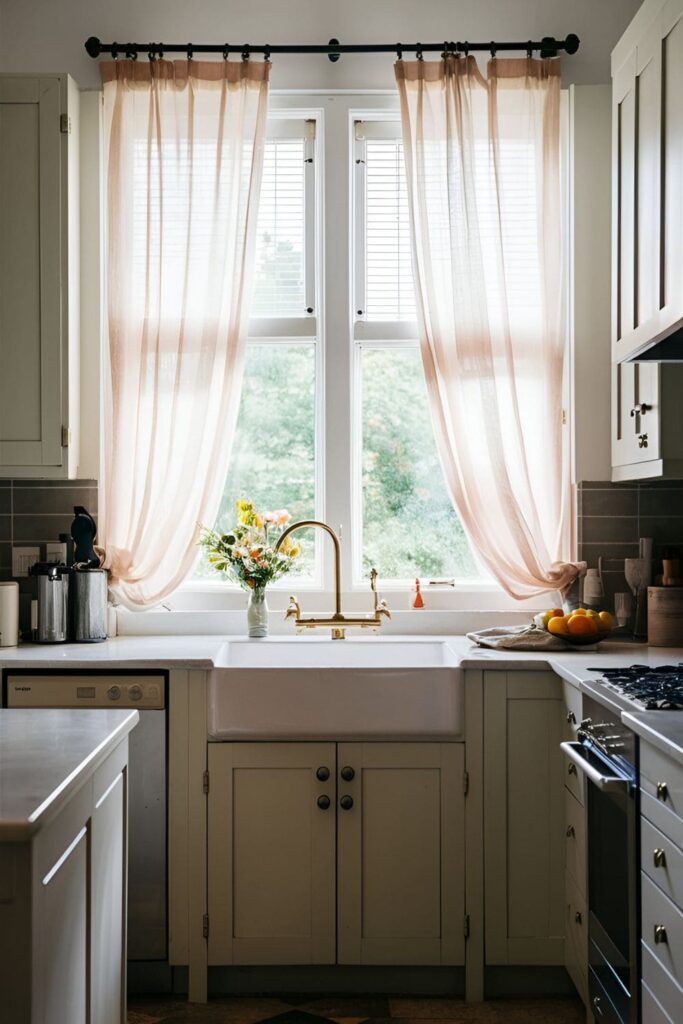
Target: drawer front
574	780
662	988
659	815
573	703
662	861
662	778
652	1011
576	937
658	912
575	840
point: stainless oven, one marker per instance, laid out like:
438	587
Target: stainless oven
147	814
605	754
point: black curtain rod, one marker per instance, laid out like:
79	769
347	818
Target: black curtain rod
547	47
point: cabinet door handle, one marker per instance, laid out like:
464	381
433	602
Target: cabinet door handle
323	802
659	858
662	791
642	440
346	803
323	773
571	718
571	770
570	833
640	409
347	773
660	934
597	1006
578	917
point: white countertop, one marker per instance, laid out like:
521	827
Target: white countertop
46	756
663	729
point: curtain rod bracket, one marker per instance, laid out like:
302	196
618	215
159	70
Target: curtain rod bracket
334	56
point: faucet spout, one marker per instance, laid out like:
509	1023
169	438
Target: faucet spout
302	524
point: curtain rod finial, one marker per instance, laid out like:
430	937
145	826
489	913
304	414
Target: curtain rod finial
92	46
571	43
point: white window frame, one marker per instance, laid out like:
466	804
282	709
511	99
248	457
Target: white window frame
340	336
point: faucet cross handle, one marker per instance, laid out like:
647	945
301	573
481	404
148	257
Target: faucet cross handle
293	609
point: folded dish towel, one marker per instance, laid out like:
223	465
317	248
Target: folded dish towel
520	638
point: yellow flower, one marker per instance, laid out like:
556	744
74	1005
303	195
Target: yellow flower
294	551
258	520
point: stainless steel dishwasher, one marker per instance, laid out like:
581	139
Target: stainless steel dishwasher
147	813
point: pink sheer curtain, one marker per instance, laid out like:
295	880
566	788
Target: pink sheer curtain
184	148
482	160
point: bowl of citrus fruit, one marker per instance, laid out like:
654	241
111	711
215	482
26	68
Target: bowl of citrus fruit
581	627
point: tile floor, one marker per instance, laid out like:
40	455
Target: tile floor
354	1010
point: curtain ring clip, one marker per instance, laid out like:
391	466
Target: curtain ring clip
529	50
466	49
190	51
151	54
114	51
266	53
226	53
132	54
418	51
493	49
399	51
245	52
445	53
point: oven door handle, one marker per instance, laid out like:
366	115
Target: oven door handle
605	783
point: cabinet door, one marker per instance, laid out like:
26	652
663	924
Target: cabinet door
624	205
672	158
31	267
523	818
401	853
108	895
636	418
271	872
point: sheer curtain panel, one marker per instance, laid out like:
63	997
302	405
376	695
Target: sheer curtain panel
485	198
184	146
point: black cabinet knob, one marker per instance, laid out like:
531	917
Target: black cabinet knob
346	803
322	773
347	773
323	802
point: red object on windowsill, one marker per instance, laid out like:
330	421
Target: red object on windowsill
419	600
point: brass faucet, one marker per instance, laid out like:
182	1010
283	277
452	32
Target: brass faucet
338	622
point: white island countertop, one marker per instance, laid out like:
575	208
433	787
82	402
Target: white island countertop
46	756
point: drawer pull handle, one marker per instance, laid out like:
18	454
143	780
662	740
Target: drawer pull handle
571	770
323	773
346	803
570	832
642	440
347	773
323	802
571	718
659	858
578	918
660	934
662	791
597	1005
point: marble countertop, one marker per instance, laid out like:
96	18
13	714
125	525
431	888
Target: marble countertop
46	756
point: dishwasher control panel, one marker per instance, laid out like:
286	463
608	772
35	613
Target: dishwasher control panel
56	690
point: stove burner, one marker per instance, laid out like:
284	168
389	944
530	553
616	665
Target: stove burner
654	689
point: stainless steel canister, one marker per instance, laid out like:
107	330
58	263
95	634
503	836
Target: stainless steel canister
53	602
89	602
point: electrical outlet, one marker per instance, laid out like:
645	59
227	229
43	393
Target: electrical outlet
55	552
23	559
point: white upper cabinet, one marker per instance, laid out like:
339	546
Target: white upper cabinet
39	294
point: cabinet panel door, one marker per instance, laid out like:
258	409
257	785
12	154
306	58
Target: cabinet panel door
271	854
401	854
30	272
523	820
108	903
672	155
636	435
624	201
60	922
648	120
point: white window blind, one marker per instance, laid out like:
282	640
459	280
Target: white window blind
279	283
389	293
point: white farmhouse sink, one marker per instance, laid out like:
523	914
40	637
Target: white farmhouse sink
336	689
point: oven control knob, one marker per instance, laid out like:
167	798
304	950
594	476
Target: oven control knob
114	693
585	722
135	692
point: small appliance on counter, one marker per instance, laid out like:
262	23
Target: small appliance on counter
89	582
53	602
9	614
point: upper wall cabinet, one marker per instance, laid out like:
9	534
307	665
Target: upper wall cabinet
39	293
647	182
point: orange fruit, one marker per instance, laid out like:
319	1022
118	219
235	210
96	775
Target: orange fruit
606	620
579	611
558	625
590	614
581	625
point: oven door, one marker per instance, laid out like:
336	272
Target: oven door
611	814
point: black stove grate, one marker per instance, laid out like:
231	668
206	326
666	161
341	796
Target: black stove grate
654	689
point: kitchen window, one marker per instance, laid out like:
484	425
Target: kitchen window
334	421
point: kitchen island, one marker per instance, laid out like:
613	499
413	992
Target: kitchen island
63	792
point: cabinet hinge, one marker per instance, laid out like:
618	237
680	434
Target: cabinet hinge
465	782
205	782
66	437
205	926
466	926
65	124
564	417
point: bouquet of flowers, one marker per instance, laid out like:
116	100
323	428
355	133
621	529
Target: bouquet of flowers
247	552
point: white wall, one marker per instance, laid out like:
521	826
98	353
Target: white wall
48	35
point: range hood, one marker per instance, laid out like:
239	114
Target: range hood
665	348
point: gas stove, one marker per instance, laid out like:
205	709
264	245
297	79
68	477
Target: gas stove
652	689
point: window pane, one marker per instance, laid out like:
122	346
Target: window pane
409	525
279	267
273	457
389	293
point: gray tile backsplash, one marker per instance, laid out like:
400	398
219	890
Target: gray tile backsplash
612	518
35	512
